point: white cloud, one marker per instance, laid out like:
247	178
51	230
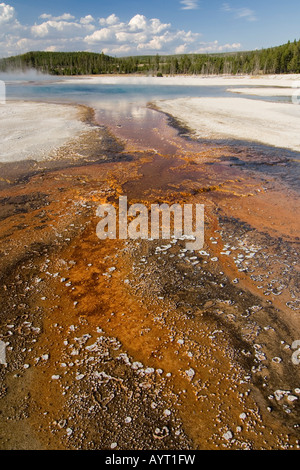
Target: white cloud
110	35
155	44
102	35
180	49
51	49
10	30
157	27
138	23
7	13
245	13
88	19
54	29
214	47
139	33
110	20
65	17
189	4
121	50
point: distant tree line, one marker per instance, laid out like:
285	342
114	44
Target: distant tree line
282	59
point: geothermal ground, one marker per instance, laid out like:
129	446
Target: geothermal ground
141	344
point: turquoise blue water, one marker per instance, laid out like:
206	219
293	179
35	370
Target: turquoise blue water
122	107
89	93
95	94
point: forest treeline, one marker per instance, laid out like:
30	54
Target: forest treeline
282	59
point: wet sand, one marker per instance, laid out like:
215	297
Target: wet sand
142	345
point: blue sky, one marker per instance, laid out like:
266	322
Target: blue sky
121	28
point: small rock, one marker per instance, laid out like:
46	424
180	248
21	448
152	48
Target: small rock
279	394
190	373
292	398
228	435
80	376
277	360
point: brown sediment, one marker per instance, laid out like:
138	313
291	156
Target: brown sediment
148	349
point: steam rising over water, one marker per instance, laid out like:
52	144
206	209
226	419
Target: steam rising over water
30	75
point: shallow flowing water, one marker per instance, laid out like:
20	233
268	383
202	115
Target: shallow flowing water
212	331
120	106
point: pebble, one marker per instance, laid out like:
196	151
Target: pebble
277	360
203	253
137	365
80	377
279	394
228	435
292	398
190	373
